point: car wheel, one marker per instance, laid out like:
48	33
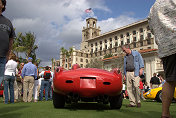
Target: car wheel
58	100
116	101
159	96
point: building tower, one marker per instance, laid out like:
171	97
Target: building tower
89	32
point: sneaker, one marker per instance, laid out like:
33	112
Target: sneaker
35	100
129	105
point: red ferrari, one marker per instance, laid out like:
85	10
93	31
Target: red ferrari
88	85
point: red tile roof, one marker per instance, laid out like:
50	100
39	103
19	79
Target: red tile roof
140	51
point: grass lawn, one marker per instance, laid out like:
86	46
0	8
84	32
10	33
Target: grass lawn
45	109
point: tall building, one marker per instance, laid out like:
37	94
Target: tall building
95	45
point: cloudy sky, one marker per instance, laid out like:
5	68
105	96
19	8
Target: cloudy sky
58	23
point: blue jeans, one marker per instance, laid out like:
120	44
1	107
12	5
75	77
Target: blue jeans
44	85
9	83
50	91
2	68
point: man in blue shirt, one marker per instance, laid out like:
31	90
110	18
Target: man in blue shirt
29	73
133	68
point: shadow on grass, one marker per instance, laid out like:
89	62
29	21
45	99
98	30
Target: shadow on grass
5	112
10	115
87	106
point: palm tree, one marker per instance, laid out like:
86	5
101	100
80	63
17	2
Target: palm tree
63	51
26	44
29	44
67	57
71	54
17	44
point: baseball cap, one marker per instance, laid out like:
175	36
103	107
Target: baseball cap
30	58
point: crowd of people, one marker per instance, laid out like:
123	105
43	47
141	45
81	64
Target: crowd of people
25	83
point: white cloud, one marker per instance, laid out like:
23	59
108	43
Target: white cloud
57	23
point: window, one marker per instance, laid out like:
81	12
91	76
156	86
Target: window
134	38
65	65
81	54
96	44
134	44
100	48
148	28
81	60
96	49
110	39
116	43
141	30
91	45
91	50
134	32
110	45
105	41
141	37
121	36
141	43
87	55
100	53
149	35
100	42
81	65
95	54
121	42
106	47
128	40
87	61
115	37
149	41
127	34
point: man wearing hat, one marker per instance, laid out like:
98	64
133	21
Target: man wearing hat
29	73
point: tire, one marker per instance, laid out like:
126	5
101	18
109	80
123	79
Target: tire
159	96
116	101
58	100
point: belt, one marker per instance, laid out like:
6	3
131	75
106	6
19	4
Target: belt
130	70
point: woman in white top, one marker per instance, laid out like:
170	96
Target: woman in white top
9	78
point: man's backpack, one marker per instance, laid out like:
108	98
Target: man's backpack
47	75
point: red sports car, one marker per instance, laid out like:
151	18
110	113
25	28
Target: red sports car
88	85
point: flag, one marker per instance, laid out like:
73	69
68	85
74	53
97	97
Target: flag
88	10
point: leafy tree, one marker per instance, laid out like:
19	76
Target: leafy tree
95	63
63	51
108	55
25	44
66	54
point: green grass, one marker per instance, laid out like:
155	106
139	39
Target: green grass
45	109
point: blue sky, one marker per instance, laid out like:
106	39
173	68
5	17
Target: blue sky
59	23
137	8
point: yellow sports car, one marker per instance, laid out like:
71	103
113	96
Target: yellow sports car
156	94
